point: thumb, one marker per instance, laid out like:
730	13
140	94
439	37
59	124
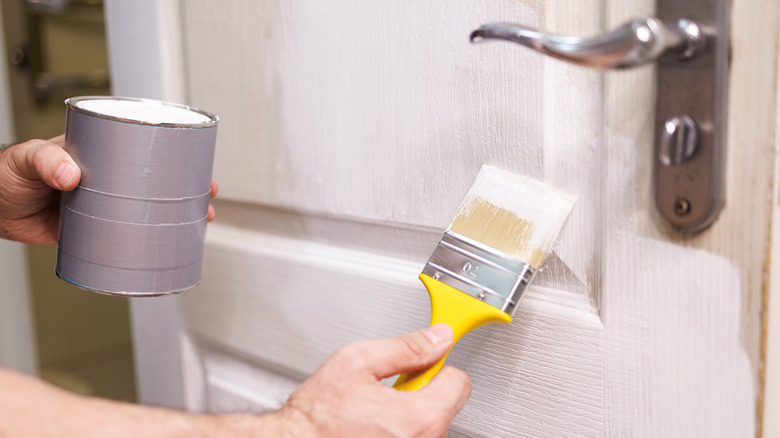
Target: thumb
402	354
40	159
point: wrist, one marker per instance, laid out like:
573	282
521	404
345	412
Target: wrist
284	423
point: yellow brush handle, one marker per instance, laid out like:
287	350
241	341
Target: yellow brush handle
462	312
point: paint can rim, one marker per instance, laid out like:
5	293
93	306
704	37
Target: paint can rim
72	104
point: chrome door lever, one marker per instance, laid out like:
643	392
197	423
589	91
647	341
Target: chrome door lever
636	43
688	40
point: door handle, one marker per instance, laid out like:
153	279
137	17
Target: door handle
635	43
688	41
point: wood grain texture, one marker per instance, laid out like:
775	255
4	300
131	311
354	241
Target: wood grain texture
349	111
386	114
286	304
771	343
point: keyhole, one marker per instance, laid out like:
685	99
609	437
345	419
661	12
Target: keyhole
682	207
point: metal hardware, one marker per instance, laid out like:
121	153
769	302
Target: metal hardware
479	271
679	140
689	42
682	207
636	43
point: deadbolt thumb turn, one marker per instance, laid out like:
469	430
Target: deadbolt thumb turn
688	41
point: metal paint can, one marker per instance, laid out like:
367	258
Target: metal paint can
136	223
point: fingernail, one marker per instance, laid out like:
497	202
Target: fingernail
65	174
438	333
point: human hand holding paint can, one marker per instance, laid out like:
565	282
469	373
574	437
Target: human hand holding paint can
135	225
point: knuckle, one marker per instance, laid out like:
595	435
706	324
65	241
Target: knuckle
348	356
414	346
40	156
43	153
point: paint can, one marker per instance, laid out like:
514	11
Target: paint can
136	223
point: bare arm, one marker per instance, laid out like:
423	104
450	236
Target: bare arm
344	398
32	408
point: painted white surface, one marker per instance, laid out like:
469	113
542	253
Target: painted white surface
350	133
145	49
676	365
17	338
287	304
236	386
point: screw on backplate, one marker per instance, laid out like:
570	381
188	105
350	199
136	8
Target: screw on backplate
682	207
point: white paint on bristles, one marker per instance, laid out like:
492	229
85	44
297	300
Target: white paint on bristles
530	200
144	111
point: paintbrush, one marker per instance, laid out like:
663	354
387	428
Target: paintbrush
499	239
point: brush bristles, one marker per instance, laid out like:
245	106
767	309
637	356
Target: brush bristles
514	214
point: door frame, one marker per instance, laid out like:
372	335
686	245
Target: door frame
146	61
770	392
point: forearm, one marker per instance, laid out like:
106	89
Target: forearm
32	408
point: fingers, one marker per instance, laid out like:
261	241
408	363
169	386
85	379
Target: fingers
387	357
214	189
451	386
39	159
440	401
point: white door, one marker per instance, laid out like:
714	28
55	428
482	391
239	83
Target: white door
350	132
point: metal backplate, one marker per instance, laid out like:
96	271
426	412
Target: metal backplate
689	193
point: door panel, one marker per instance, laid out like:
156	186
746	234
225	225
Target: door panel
286	304
349	134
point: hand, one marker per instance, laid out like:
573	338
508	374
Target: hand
345	397
32	174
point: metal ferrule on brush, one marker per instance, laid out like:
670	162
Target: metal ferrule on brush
479	271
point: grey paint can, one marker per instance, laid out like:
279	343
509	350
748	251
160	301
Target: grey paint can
135	225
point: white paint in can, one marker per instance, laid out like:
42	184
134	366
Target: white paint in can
144	111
